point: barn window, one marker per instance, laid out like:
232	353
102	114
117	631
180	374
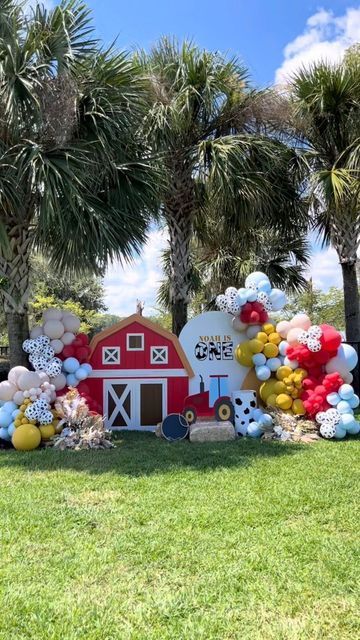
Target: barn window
135	341
111	355
159	355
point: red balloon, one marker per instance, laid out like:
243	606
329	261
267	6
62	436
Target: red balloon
68	351
82	353
84	339
330	339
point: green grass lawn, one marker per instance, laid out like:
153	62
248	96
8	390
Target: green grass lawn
162	541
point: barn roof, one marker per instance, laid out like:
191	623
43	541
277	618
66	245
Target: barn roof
148	324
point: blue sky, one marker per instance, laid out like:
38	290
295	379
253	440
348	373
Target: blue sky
272	37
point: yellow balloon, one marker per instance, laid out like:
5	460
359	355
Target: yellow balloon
283	372
268	328
271	350
267	388
47	431
25	421
22	407
274	338
58	427
262	336
279	387
243	354
295	393
298	408
26	437
283	401
17	423
256	346
271	401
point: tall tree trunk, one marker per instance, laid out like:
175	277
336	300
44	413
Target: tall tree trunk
180	230
178	210
14	290
351	301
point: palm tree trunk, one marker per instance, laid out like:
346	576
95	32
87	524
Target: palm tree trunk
180	230
351	300
14	291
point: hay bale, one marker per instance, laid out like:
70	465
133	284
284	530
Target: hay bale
212	432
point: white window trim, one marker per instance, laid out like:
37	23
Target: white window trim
116	361
137	335
152	355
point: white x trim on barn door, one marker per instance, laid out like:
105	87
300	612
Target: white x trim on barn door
119	404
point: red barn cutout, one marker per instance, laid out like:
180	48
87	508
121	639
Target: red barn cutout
140	374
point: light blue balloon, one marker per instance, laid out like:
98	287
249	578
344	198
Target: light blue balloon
255	278
354	429
15	414
70	365
9	406
354	401
257	414
241	297
5	418
265	421
72	380
251	295
254	430
273	364
87	367
333	399
340	432
347	420
277	299
283	347
346	392
81	373
11	429
259	359
264	285
344	407
4	434
262	373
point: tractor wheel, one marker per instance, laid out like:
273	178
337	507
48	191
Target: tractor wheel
223	411
190	415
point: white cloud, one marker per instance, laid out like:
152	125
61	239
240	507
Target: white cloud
138	280
325	269
325	37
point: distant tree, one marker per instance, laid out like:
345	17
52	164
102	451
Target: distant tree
321	307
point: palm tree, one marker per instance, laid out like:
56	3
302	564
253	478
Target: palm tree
203	127
325	101
219	261
72	181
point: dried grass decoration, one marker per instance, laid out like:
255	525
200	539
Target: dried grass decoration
82	429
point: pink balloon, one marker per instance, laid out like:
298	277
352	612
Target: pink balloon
301	321
283	328
7	390
293	334
19	397
15	372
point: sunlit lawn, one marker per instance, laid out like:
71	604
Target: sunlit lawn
242	540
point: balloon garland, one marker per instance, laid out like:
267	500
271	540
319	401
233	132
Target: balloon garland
305	369
58	355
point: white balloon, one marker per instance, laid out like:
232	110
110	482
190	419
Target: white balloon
238	325
68	338
71	322
52	314
57	345
253	330
36	331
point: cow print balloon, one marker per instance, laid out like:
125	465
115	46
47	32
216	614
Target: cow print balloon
327	430
46	418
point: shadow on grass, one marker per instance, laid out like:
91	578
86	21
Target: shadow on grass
138	454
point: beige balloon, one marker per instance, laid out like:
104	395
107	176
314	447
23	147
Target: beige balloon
57	345
15	372
7	390
71	323
54	329
52	314
68	338
36	331
29	380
